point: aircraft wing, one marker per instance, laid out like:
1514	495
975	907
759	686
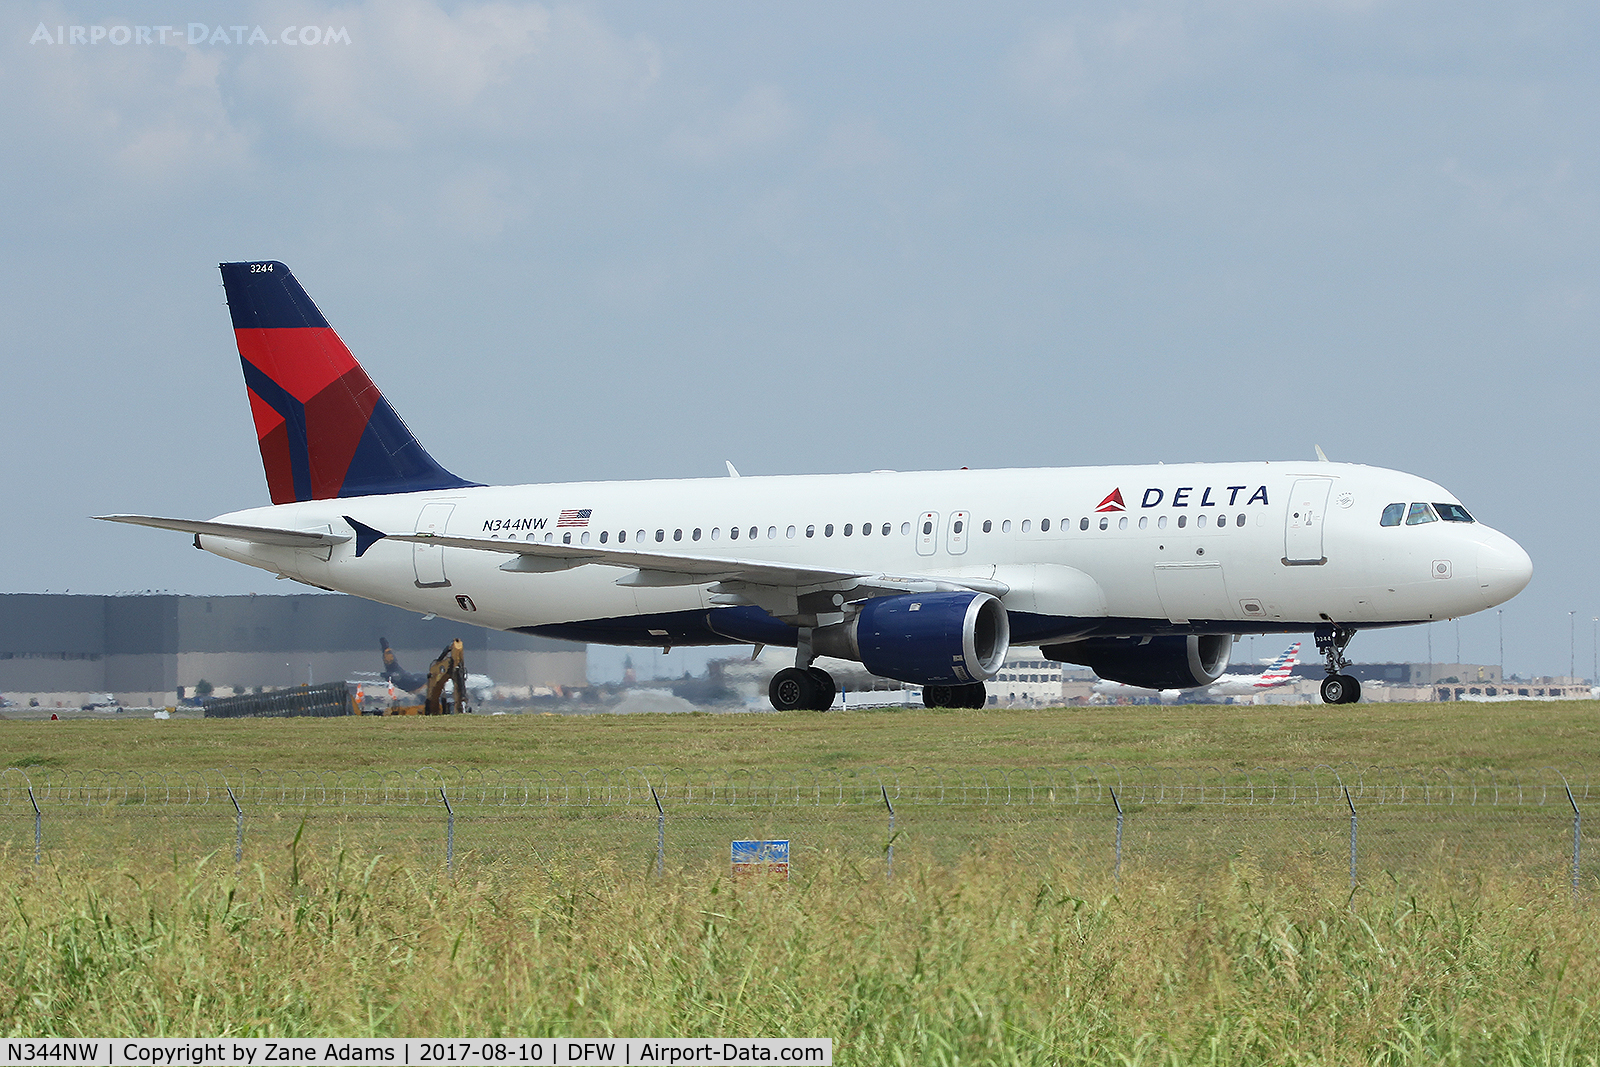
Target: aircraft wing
774	586
261	535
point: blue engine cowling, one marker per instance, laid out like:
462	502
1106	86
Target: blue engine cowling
933	638
1171	662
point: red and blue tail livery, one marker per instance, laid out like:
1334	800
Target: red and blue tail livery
325	430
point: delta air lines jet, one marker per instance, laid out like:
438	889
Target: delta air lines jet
1143	573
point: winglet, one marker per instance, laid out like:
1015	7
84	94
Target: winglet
366	536
1322	457
732	470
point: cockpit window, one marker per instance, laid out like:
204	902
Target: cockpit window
1392	515
1419	514
1452	512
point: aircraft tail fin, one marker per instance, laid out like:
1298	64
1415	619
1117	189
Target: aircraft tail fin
324	429
1279	670
391	665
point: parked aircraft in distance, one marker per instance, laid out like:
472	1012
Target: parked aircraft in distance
1145	574
478	685
1277	673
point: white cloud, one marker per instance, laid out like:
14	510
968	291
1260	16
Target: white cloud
415	72
761	118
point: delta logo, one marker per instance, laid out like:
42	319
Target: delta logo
1183	496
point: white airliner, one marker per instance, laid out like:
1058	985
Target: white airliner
1143	573
1279	672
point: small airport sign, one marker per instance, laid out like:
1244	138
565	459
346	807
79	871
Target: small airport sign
753	857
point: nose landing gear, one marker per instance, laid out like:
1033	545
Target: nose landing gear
1338	687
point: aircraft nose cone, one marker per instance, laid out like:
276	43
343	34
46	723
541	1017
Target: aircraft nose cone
1504	569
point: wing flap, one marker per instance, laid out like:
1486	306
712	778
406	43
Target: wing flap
734	575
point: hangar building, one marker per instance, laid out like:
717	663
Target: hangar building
143	649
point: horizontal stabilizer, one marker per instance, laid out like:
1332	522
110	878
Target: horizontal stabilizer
260	535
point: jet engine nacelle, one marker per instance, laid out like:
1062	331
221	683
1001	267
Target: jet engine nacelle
1156	663
954	638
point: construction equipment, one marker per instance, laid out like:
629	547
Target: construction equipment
449	667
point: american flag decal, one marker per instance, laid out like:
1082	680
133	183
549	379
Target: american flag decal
574	517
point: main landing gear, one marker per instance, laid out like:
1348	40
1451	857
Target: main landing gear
955	696
1337	687
802	687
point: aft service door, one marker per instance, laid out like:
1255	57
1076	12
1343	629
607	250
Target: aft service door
429	559
1302	531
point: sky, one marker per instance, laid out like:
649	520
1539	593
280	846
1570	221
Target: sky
626	240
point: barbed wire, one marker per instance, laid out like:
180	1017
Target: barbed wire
1080	786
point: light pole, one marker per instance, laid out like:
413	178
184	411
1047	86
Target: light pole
1572	645
1500	619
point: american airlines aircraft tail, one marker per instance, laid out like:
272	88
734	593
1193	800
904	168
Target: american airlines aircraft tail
1143	573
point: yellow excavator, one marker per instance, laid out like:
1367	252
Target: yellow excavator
451	667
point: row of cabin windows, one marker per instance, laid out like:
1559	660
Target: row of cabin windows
867	529
1105	523
1417	513
752	533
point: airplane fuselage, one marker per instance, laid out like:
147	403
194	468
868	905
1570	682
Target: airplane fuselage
1166	549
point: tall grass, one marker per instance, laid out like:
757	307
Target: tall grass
979	961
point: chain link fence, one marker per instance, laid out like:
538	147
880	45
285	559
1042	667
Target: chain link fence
1372	823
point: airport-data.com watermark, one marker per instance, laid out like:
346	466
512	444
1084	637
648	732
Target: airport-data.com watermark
195	33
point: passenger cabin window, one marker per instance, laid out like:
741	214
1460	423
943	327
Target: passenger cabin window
866	529
886	529
661	535
677	535
1105	524
827	531
1027	524
1083	523
791	533
849	528
988	525
1183	520
1419	514
1044	525
1392	515
733	533
811	531
696	534
752	532
1452	512
603	534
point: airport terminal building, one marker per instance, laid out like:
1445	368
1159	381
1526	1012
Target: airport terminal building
142	650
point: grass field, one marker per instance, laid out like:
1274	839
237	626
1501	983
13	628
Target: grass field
1509	737
1002	936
